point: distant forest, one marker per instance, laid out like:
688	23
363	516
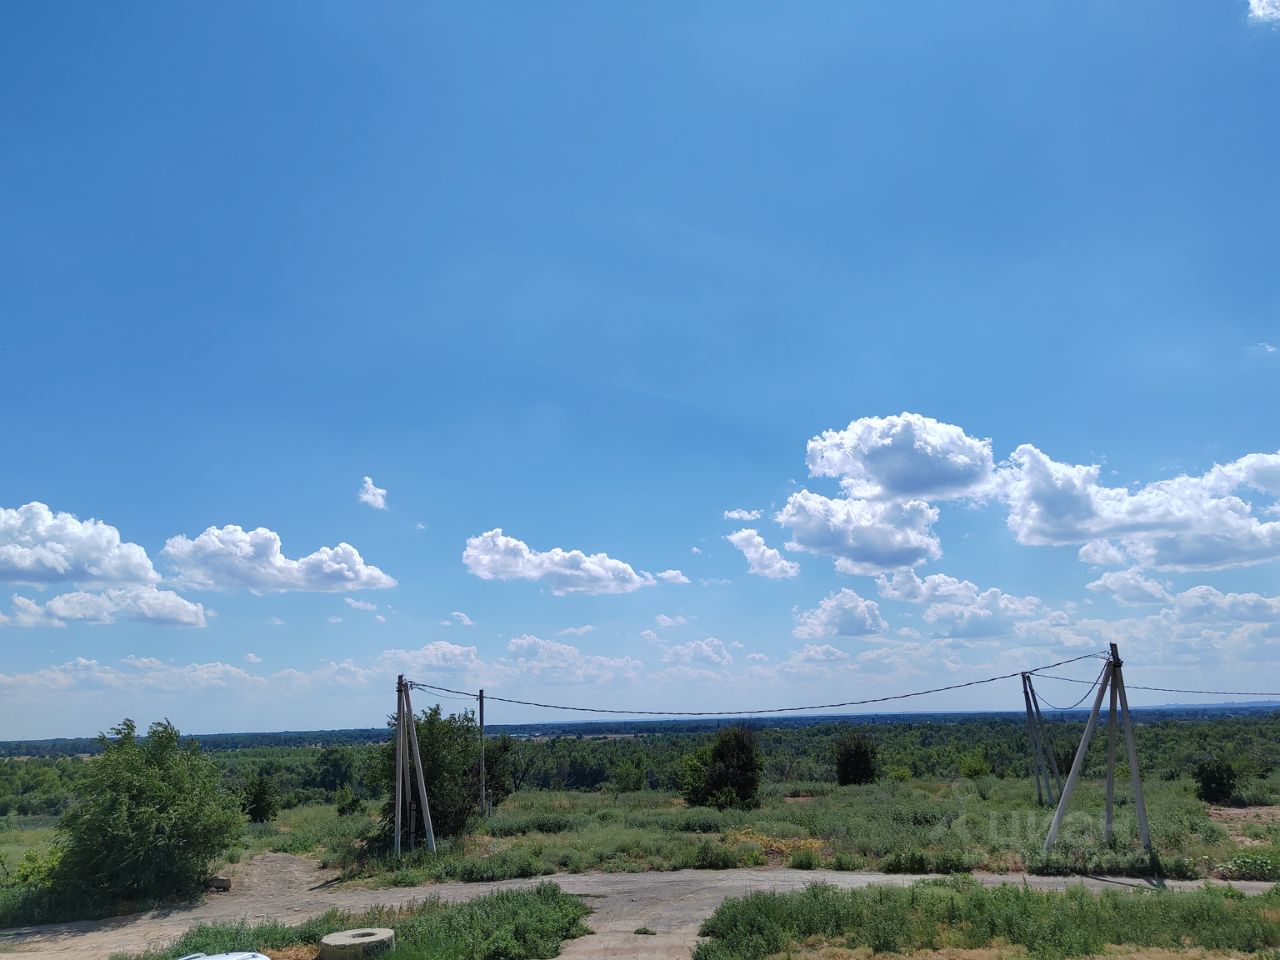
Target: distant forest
313	766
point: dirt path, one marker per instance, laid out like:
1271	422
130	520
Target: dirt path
276	886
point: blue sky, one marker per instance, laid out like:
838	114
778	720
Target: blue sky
977	306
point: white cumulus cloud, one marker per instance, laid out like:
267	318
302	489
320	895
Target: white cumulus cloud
230	558
740	514
904	457
38	546
1185	523
494	556
374	496
1130	587
144	603
842	614
1265	11
865	536
663	620
762	560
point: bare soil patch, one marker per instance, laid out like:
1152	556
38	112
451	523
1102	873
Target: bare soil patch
1235	819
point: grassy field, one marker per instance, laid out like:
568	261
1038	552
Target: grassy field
19	835
916	827
512	924
960	914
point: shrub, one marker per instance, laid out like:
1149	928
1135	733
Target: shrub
147	818
1251	795
348	803
803	858
1215	780
725	773
847	861
1249	866
855	760
974	765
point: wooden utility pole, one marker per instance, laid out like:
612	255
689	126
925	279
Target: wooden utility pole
1044	739
409	766
1112	682
1135	778
399	759
1110	831
427	828
1078	764
484	803
1035	741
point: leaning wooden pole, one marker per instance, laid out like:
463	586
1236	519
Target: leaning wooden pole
399	759
1043	731
484	802
1036	758
425	804
1077	765
1135	777
1110	831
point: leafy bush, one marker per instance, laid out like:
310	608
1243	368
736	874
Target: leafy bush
147	818
846	861
724	773
803	858
709	855
1251	866
1251	795
347	803
1215	780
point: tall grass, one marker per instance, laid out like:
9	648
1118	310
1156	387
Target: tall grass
515	924
918	827
961	913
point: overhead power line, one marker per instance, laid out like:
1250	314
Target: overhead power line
1082	699
1208	693
766	710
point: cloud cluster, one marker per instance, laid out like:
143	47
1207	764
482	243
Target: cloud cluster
865	537
1181	524
904	457
740	514
38	546
231	558
494	556
1265	11
552	662
142	603
762	560
842	614
709	650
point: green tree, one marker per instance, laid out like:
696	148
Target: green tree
334	767
146	818
261	799
725	772
855	760
451	770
